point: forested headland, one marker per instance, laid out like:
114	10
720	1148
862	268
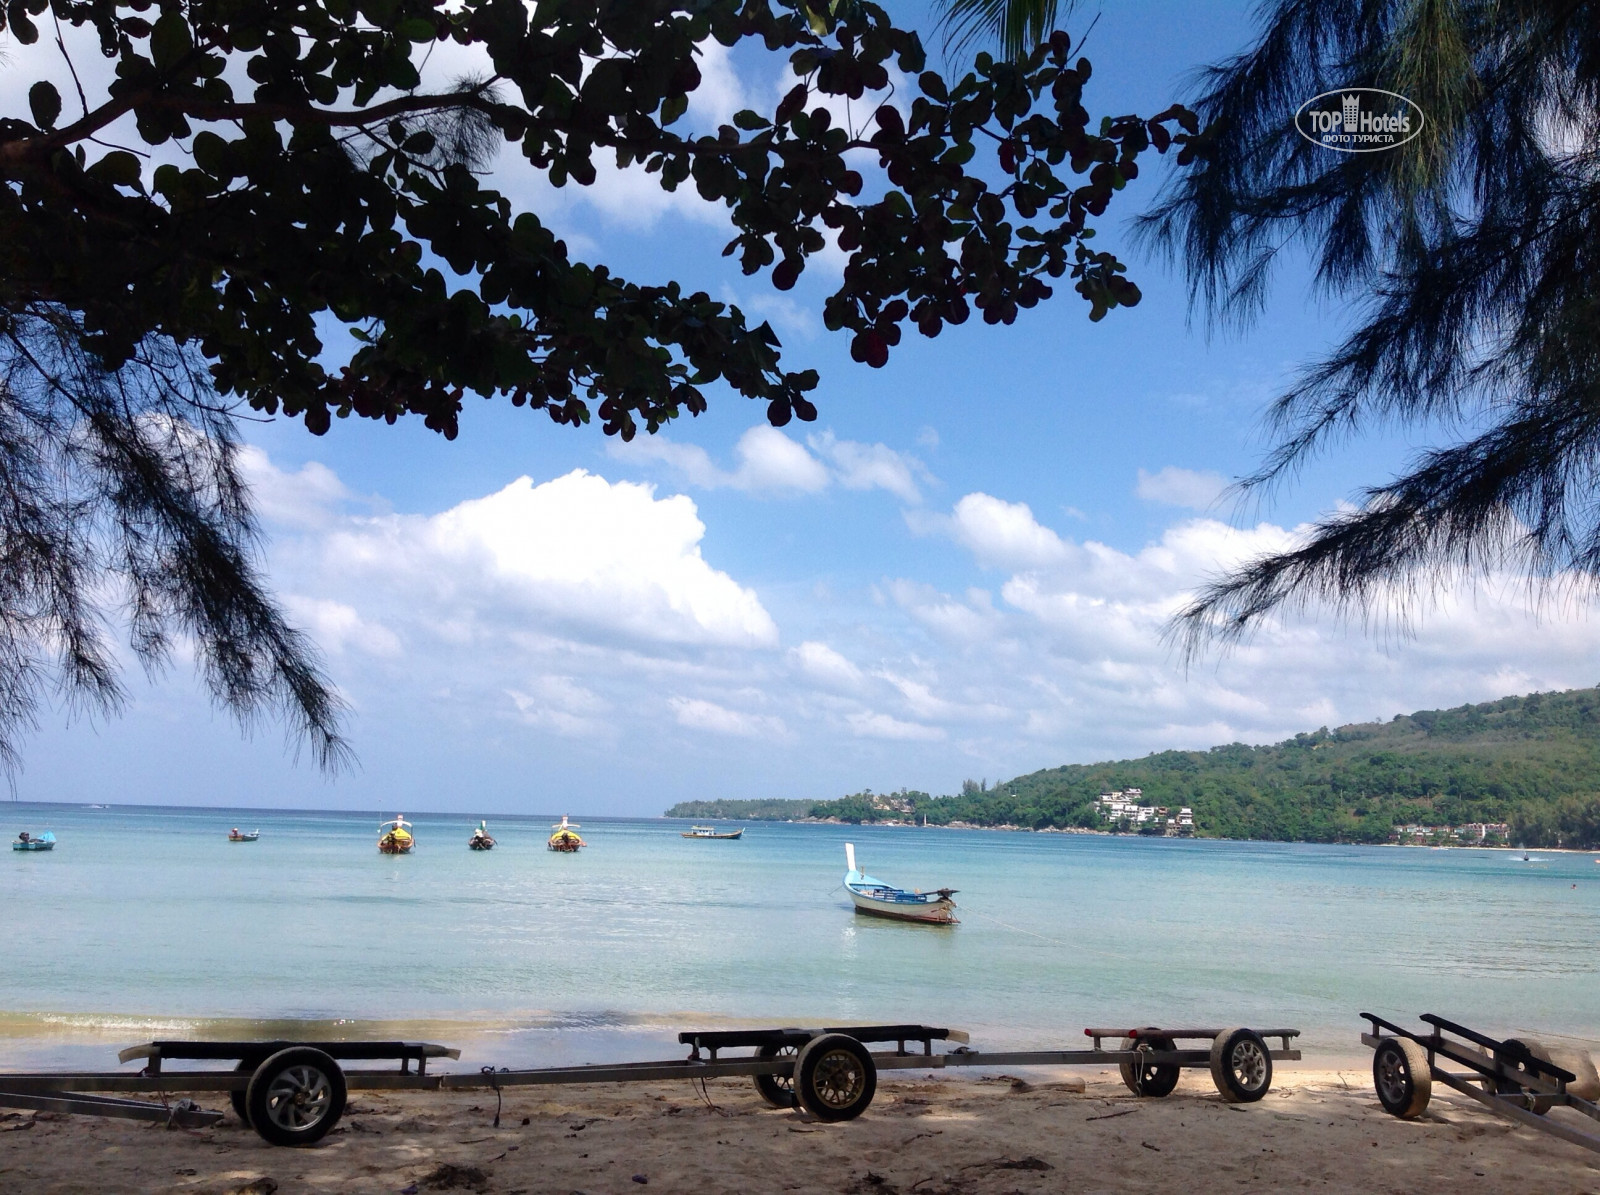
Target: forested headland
1533	762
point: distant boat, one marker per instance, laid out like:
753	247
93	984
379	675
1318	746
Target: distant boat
480	840
34	842
395	838
711	832
873	896
564	839
235	836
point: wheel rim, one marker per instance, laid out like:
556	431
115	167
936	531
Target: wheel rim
298	1098
1394	1077
785	1081
839	1078
1249	1065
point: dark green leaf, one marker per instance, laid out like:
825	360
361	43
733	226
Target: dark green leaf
45	102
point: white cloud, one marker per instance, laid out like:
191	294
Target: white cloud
1172	486
1005	534
698	714
561	704
869	466
299	498
822	664
575	552
881	726
772	462
338	628
575	624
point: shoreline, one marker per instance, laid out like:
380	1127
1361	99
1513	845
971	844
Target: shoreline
1020	1134
1008	828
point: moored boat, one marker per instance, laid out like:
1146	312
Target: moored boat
873	896
565	838
395	837
481	839
235	835
712	832
34	842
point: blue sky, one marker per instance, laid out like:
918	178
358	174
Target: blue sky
960	570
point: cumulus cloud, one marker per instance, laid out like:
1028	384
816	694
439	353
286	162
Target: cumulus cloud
1172	486
577	551
1002	534
576	619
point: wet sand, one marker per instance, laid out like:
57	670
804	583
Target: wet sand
1317	1129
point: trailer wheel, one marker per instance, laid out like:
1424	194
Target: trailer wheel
296	1096
236	1098
835	1077
777	1090
1241	1065
1537	1104
1402	1078
1148	1077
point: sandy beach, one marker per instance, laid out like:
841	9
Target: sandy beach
1317	1129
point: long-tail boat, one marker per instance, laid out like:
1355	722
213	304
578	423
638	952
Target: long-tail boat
395	837
873	896
481	839
565	838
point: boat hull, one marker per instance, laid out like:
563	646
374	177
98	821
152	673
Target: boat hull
935	912
33	846
735	834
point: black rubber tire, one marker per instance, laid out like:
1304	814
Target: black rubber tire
777	1090
1151	1079
835	1077
236	1098
1402	1078
1537	1104
296	1096
1241	1066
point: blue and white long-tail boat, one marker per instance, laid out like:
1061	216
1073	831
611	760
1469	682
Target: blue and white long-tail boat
873	896
34	842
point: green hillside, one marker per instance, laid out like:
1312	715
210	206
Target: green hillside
1531	761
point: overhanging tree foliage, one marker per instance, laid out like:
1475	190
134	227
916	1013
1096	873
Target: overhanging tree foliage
254	172
1471	256
334	182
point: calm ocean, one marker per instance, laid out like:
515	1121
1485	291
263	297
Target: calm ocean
146	922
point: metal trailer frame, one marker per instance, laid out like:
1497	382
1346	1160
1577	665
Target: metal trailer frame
1508	1080
829	1072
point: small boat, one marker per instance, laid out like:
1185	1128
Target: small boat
711	832
235	836
885	900
34	842
480	840
395	838
564	839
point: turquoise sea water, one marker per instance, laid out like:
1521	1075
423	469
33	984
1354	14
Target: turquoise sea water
147	922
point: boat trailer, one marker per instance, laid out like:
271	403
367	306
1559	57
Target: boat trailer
1518	1078
294	1092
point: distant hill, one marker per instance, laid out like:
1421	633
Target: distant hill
1531	761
